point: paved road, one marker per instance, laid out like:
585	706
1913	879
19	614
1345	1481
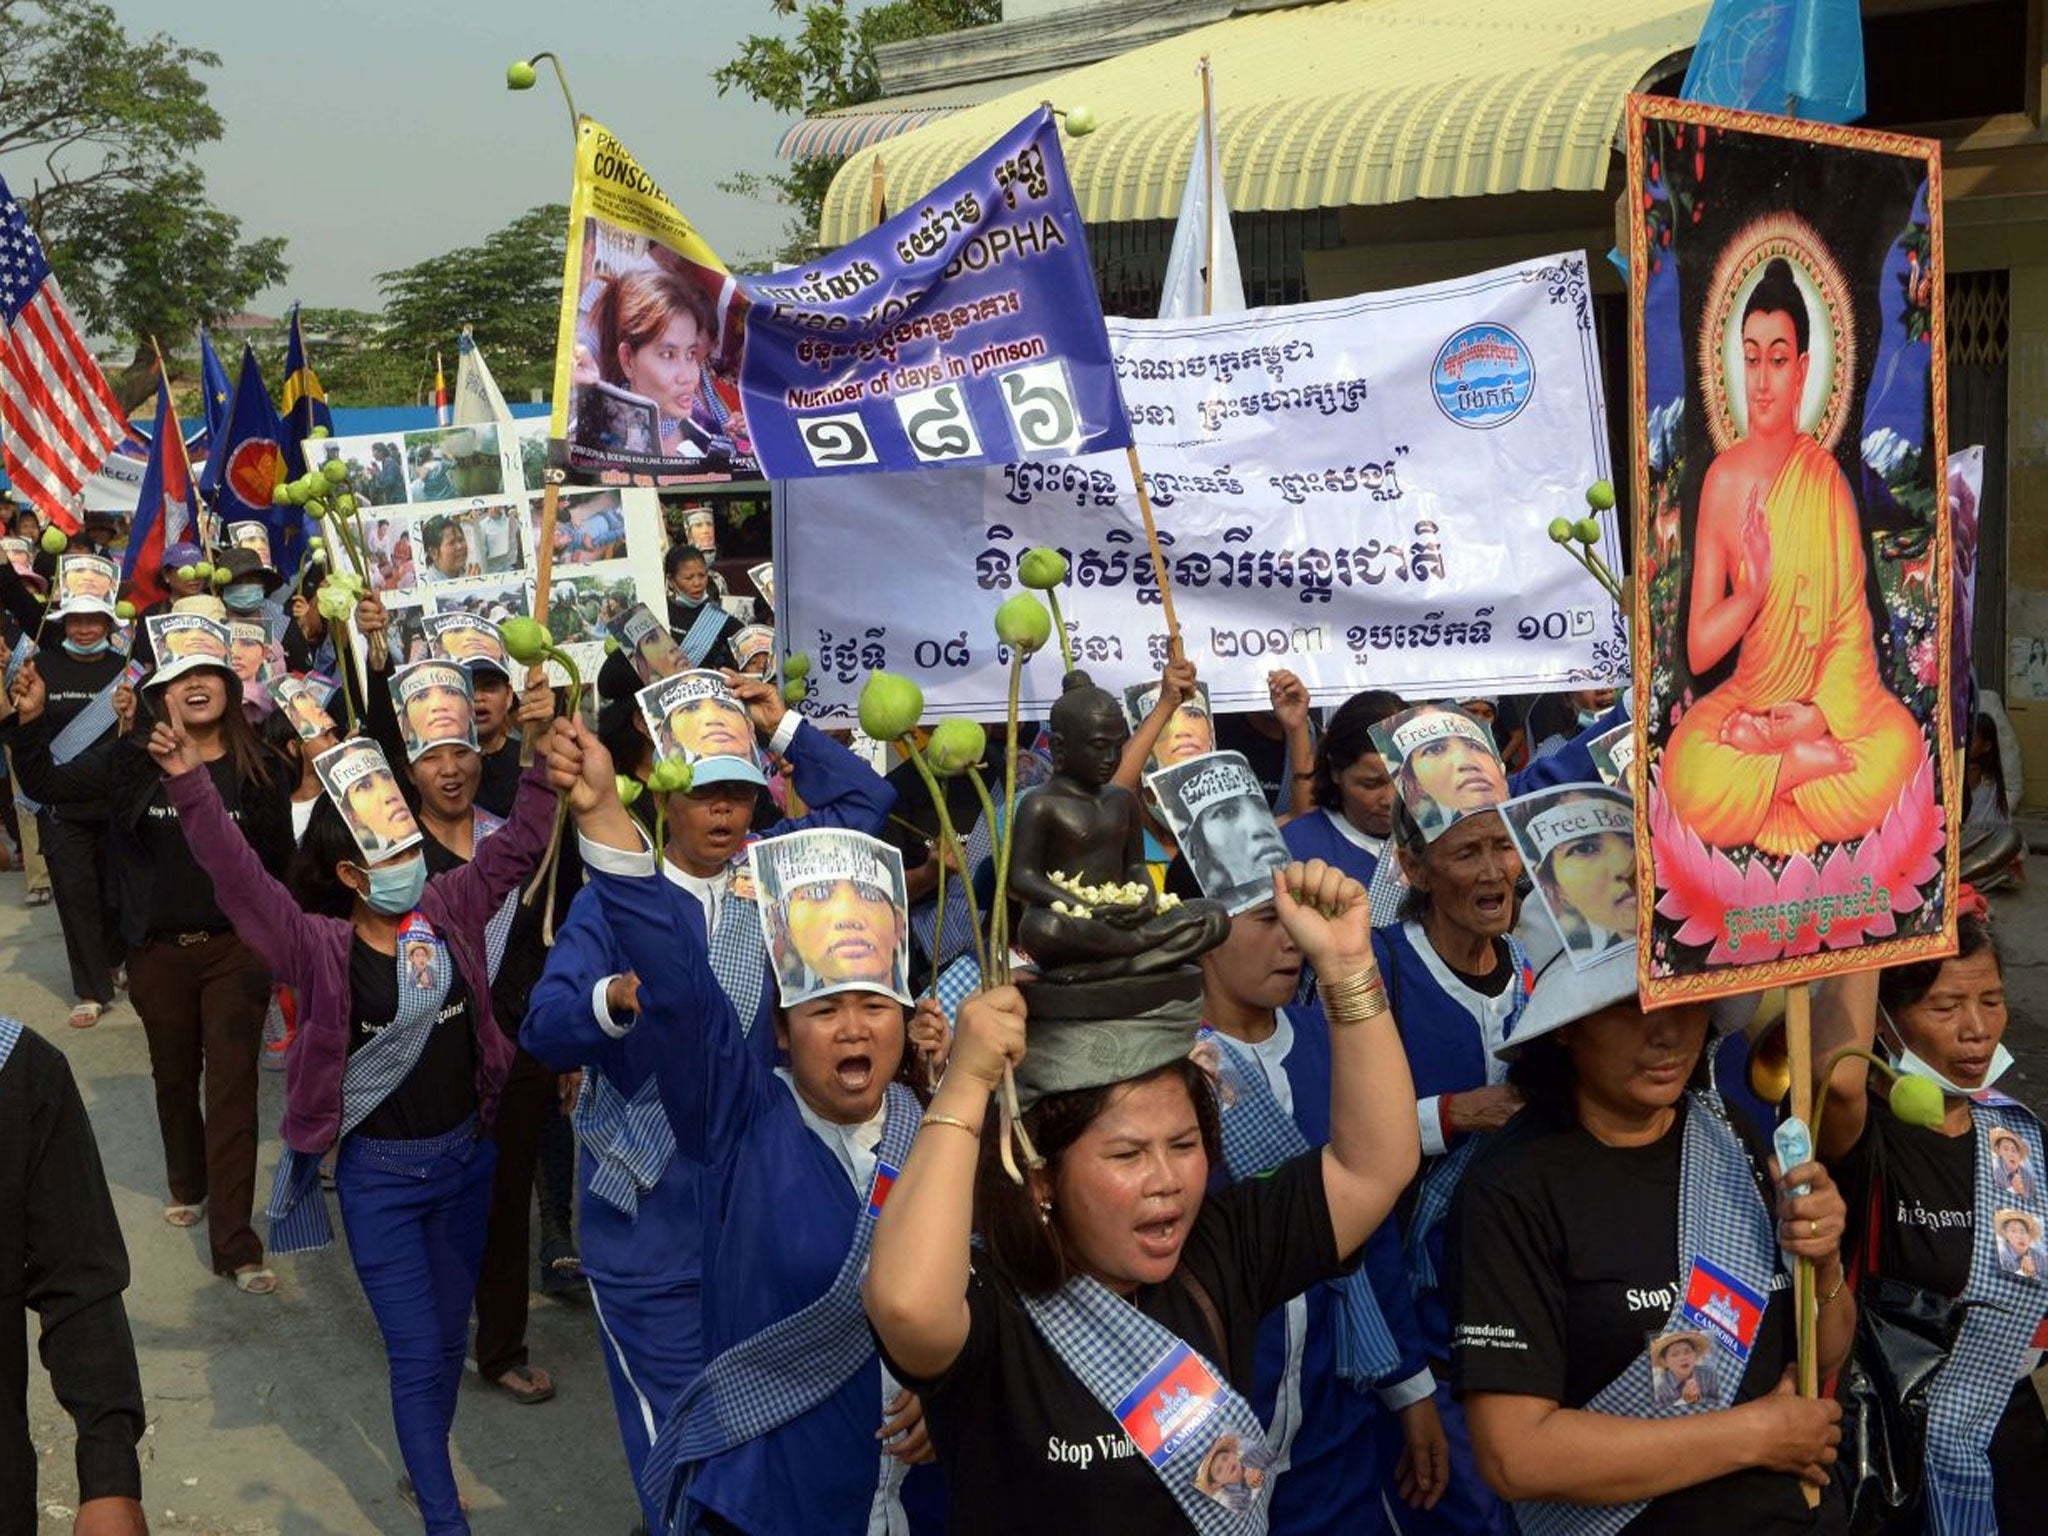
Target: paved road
269	1414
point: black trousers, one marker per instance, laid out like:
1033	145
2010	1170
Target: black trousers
76	852
501	1289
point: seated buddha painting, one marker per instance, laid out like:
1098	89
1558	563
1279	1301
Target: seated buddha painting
1791	649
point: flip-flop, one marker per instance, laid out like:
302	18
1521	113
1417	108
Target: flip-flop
37	899
255	1280
529	1391
185	1215
85	1015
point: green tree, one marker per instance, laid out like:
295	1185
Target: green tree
828	64
105	125
347	347
508	289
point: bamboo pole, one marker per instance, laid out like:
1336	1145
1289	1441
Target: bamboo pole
1173	645
878	196
1799	1058
543	578
1209	198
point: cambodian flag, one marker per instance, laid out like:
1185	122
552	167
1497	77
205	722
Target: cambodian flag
166	511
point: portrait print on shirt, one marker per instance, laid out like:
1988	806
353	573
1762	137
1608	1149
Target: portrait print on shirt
834	913
2012	1167
1218	814
1189	731
1234	1473
1578	843
1444	765
364	790
2020	1249
694	715
1684	1370
435	707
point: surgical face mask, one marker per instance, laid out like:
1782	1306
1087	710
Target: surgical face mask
84	652
395	889
1589	718
243	599
691	603
1907	1062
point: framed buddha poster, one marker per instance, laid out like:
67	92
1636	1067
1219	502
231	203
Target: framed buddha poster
1792	607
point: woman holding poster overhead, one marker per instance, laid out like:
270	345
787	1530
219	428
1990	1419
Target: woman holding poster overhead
794	1426
1934	1211
398	1064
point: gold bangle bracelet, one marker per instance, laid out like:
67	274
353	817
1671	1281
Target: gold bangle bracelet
1841	1279
1357	984
932	1118
1344	1018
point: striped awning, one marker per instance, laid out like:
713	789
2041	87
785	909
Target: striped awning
834	135
1354	102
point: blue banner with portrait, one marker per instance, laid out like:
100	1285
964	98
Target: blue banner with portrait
964	331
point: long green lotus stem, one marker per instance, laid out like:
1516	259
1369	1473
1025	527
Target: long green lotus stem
999	919
938	927
345	660
951	839
1059	627
1597	569
1827	1075
1013	1113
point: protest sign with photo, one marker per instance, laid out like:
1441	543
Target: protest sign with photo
1792	630
471	556
304	701
175	636
648	644
254	537
435	707
695	716
1331	484
753	650
360	784
1444	765
253	651
1578	845
833	913
1218	814
1188	732
19	555
93	578
464	637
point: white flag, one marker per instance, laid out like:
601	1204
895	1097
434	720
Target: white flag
1202	225
476	393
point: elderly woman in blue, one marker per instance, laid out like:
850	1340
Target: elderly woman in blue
793	1426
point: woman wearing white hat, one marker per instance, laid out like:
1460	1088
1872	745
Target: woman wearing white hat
1619	1214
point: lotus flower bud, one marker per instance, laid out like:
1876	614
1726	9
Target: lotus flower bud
1587	531
519	76
796	664
525	640
280	495
670	776
54	542
1560	530
335	602
335	471
890	706
124	611
1600	495
1917	1100
956	746
629	788
794	692
1023	624
1042	568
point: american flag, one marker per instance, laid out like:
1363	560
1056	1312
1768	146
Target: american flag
58	417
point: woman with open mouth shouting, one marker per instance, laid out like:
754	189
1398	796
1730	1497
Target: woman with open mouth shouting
1088	1365
794	1426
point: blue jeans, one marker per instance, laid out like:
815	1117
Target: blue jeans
415	1213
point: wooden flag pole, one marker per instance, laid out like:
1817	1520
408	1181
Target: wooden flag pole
1173	646
878	196
1799	1059
1209	200
543	578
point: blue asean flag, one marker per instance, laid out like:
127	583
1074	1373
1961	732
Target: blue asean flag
247	464
1794	58
963	331
213	378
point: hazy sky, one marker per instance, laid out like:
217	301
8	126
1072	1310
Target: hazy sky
376	133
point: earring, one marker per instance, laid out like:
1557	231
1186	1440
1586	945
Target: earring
1045	1213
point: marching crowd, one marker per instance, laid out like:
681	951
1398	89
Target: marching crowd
1418	1222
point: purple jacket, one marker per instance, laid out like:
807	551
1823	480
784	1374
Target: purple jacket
311	953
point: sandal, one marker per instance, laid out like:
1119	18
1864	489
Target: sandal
411	1495
85	1015
255	1280
37	899
185	1215
531	1386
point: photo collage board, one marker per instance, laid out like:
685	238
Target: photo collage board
451	517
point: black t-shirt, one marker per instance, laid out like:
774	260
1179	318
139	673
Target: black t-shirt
1563	1261
1929	1187
439	1093
180	893
1267	756
1026	1448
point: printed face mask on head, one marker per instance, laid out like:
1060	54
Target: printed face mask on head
395	889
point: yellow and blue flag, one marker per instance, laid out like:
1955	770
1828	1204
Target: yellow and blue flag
305	402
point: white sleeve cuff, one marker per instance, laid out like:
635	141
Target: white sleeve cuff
1430	1123
603	1014
1406	1394
608	860
785	732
